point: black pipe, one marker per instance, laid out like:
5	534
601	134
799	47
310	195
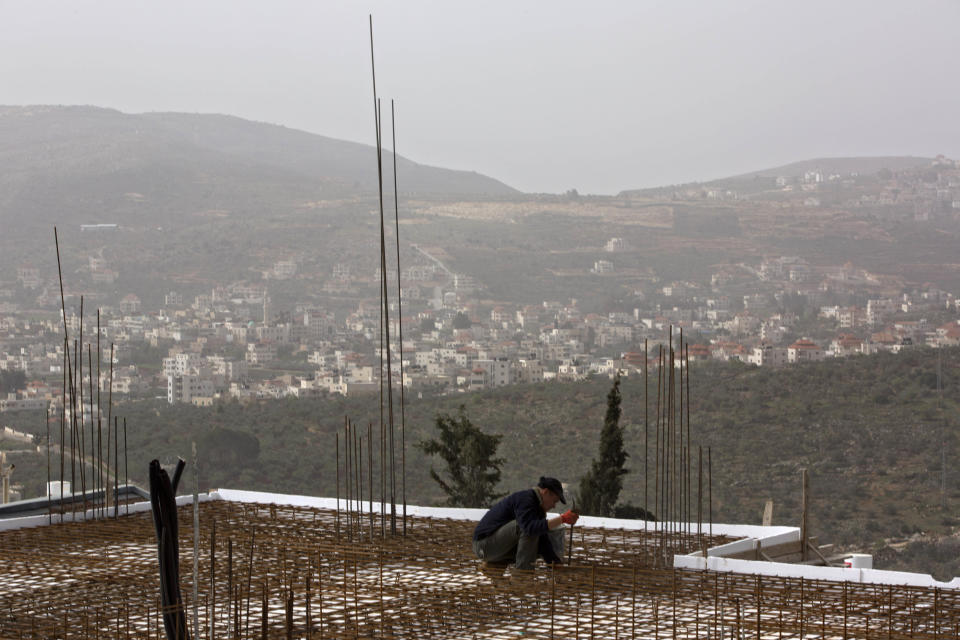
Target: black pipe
164	506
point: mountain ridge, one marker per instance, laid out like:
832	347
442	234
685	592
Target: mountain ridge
826	165
86	160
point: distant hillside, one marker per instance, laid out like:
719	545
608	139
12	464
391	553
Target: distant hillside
102	165
843	166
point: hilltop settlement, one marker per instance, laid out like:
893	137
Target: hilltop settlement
450	333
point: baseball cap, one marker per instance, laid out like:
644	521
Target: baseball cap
553	485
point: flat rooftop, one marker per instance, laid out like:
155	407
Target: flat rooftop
272	566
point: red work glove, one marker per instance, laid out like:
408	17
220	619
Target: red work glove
569	517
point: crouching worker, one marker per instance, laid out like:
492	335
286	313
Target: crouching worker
516	530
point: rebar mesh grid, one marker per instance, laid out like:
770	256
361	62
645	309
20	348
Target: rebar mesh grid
269	571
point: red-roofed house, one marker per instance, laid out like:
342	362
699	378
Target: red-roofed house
846	344
804	350
948	335
699	352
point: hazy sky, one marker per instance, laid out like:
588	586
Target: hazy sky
546	96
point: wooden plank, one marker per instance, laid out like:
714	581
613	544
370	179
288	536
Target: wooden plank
768	513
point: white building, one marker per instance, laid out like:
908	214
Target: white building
527	371
767	355
615	244
602	266
284	269
260	352
181	364
497	371
804	350
187	387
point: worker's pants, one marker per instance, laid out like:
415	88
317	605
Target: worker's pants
508	544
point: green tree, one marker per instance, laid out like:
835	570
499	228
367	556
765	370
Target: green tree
473	471
600	487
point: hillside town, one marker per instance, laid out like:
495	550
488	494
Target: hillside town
448	335
231	343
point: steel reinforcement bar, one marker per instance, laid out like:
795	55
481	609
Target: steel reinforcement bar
269	571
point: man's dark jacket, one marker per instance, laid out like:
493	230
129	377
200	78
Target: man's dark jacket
524	507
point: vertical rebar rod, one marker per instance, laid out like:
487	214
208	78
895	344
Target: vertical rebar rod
337	475
353	475
106	488
73	432
670	407
646	436
700	501
803	514
661	515
126	461
99	454
680	469
670	435
359	486
669	415
81	436
710	489
63	304
675	515
307	606
230	594
658	480
211	615
370	472
47	425
196	540
389	351
383	283
116	466
246	625
102	476
66	351
63	421
689	441
352	448
383	480
109	417
346	468
93	451
403	423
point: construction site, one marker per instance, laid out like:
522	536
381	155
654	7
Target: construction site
274	566
104	562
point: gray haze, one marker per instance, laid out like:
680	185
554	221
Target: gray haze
545	96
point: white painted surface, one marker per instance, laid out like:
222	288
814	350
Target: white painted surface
808	572
768	535
859	561
78	516
751	535
58	488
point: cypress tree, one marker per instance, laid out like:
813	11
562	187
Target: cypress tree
600	487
